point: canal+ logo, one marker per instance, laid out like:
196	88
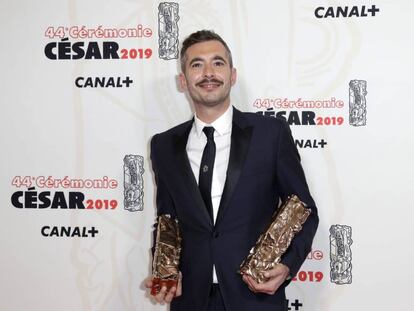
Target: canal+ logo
346	11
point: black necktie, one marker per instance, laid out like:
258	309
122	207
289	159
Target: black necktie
206	169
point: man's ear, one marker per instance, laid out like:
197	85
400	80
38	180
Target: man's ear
183	81
233	76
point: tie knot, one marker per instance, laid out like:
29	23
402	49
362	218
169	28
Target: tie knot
209	131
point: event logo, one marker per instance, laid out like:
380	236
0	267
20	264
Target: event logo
94	82
295	305
306	112
107	46
357	102
301	116
168	30
69	232
340	254
133	183
53	199
346	11
64	195
310	143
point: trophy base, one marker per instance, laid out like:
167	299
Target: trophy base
158	283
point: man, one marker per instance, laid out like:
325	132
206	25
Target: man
223	211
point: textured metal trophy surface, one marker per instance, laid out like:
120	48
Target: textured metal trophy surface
274	242
167	254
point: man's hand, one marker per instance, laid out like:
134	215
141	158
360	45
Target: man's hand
276	277
164	296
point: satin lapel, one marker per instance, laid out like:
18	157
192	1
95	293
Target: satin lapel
185	170
240	140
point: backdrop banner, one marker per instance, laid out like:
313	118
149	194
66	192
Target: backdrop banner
86	84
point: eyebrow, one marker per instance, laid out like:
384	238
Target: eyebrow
199	59
217	57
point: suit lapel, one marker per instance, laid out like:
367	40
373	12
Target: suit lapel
240	140
184	169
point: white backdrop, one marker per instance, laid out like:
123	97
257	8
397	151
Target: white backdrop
51	129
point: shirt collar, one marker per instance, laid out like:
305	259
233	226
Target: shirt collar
222	125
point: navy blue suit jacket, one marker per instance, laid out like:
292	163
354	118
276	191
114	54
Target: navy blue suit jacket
264	167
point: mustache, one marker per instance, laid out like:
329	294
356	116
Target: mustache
209	81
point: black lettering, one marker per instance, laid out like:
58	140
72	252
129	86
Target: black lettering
294	118
76	200
88	82
308	118
93	51
49	50
110	50
329	12
30	198
354	12
343	11
44	198
64	50
110	82
76	232
317	12
100	81
322	143
59	200
299	143
44	228
65	231
54	232
93	231
15	199
363	13
77	48
127	81
77	81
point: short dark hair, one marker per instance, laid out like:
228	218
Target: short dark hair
202	36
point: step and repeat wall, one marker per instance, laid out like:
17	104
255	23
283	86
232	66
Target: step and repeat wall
85	85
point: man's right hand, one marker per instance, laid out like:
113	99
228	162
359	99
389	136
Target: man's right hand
164	295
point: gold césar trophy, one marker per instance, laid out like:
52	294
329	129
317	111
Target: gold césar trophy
166	257
273	243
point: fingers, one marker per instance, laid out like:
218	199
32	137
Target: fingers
279	270
179	286
160	297
148	282
269	287
273	273
170	295
165	295
247	280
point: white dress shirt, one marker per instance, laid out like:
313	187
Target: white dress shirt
197	140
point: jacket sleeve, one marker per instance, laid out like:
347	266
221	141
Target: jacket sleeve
291	180
164	202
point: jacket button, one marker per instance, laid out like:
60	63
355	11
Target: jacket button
216	234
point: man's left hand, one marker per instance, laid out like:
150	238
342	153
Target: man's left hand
276	277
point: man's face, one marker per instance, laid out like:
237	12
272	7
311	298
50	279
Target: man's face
207	76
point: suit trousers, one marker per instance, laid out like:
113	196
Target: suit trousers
215	302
